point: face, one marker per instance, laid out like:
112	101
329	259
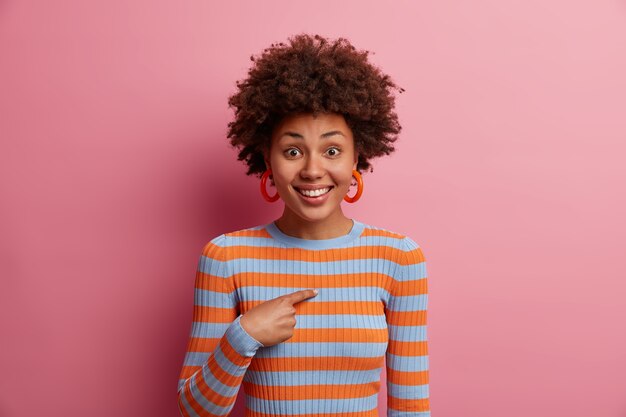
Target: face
312	152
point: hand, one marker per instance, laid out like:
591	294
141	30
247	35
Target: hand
273	321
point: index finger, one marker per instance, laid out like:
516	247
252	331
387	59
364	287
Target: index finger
298	296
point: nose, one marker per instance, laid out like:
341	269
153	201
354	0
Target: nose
313	168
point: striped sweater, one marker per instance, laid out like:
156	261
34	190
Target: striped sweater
371	305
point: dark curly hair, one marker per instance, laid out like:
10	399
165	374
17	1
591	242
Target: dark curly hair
313	75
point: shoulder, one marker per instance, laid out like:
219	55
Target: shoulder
407	250
393	237
218	246
215	247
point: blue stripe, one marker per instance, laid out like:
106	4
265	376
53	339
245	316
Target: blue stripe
394	413
313	406
407	363
407	333
315	377
208	330
265	242
295	267
410	392
338	267
322	349
213	266
312	321
335	321
412	271
208	298
373	293
408	302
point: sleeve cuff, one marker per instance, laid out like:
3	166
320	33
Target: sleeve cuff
240	340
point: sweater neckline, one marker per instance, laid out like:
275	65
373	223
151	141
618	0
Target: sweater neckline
276	233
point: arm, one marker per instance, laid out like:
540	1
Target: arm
407	352
219	350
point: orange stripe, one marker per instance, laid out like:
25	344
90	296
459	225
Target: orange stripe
334	363
411	287
414	256
353	308
206	281
326	308
375	279
407	378
305	392
412	348
312	255
250	233
188	371
284	280
208	314
407	318
385	233
338	335
357	308
407	404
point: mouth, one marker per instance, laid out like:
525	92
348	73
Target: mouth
316	196
313	193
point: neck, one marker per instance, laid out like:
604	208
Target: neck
328	228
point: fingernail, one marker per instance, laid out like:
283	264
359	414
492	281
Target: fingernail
315	291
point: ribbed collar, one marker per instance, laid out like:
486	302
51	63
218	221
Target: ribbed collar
291	241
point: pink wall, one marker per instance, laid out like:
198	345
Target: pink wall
115	170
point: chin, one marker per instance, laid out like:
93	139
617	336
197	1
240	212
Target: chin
314	215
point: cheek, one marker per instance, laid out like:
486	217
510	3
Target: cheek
282	175
344	177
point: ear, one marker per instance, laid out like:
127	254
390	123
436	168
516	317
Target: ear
356	161
266	158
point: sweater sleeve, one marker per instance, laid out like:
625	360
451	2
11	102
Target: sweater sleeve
219	350
407	352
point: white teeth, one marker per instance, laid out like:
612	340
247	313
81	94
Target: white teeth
314	193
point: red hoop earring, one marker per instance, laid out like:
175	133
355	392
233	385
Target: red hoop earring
266	196
359	190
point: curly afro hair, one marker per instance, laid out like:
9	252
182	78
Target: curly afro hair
313	75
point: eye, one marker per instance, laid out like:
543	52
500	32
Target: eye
290	150
332	148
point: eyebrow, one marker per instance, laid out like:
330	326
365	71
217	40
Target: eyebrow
324	136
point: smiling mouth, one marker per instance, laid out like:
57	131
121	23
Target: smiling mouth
314	193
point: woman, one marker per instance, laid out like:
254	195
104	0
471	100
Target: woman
303	310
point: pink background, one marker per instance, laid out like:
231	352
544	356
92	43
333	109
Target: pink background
509	172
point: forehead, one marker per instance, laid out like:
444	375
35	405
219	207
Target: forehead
306	122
